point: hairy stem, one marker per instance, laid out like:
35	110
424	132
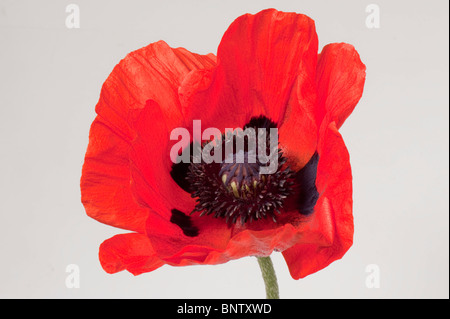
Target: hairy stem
269	276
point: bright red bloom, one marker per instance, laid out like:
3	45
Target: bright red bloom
267	70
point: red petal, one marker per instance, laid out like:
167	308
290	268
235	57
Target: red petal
329	234
298	132
153	72
340	80
132	252
154	188
259	58
150	162
105	181
218	248
175	248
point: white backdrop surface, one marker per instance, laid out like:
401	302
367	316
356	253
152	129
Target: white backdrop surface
50	80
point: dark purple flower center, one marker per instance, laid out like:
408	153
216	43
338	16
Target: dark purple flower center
235	189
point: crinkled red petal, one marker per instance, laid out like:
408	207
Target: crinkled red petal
340	81
330	232
259	59
132	252
152	73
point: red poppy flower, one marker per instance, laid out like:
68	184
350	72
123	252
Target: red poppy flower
268	74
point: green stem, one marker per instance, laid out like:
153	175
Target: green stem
269	276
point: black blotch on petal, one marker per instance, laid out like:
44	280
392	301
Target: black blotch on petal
306	179
184	222
179	172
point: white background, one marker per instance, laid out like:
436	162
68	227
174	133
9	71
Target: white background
50	80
